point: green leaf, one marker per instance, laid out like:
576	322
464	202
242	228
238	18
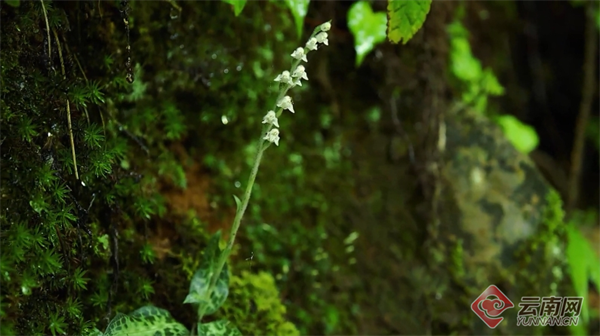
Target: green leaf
95	332
238	5
463	64
201	279
199	288
218	328
238	203
148	320
405	18
583	265
299	9
212	251
522	136
14	3
490	84
367	27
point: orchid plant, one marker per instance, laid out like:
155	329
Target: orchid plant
209	287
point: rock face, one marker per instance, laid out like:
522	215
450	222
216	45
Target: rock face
497	207
497	191
498	222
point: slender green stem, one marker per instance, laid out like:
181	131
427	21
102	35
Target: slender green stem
246	198
234	229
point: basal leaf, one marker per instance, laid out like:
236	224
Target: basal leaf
299	9
199	288
367	27
405	18
522	136
218	328
201	279
146	321
238	5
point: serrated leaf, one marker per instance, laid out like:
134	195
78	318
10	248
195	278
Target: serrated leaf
367	27
299	9
405	18
218	328
146	321
238	203
522	136
238	5
199	288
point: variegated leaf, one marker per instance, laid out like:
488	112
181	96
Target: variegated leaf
146	321
218	328
201	280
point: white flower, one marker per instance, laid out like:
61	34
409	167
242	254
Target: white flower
322	38
297	82
300	72
325	26
284	78
286	104
272	136
311	44
271	118
299	54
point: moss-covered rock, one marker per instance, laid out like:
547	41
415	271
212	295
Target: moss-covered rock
502	224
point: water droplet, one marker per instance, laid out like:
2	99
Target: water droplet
237	184
224	120
214	56
226	71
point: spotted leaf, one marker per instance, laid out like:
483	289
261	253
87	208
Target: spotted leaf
218	328
201	279
146	321
199	288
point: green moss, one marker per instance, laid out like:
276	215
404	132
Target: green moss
546	247
192	73
255	307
